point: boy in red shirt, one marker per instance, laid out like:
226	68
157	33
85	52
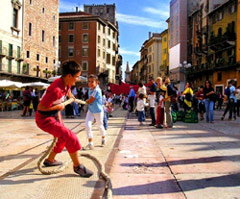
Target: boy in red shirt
48	118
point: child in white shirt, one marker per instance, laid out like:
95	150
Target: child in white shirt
140	108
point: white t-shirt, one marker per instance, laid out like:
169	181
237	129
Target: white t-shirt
142	90
141	104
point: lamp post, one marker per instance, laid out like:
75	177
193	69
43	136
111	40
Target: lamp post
183	68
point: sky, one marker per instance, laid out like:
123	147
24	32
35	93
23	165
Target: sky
136	18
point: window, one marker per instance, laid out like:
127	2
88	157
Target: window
43	10
109	44
103	29
219	77
59	38
232	8
15	18
70	38
84	51
164	51
18	67
59	52
104	42
113	46
108	58
107	10
38	57
85	38
99	39
113	35
84	65
220	16
104	55
60	26
90	10
54	41
46	60
113	60
109	31
85	25
150	49
9	65
70	52
99	26
30	29
10	50
18	51
165	39
71	26
43	35
54	17
99	53
28	54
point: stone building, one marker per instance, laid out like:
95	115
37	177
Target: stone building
11	39
92	42
40	38
105	11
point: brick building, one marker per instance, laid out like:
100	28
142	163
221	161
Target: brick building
90	41
40	38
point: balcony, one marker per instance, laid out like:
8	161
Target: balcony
3	52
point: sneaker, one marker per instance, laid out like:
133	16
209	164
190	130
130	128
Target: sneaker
88	147
222	118
159	126
47	163
103	142
83	171
151	124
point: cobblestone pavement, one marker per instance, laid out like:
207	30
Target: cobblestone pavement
193	161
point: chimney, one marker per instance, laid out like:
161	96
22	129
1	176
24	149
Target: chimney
76	9
149	34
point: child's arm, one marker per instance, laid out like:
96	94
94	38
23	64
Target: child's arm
90	100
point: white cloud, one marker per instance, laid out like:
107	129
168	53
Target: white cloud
163	12
127	52
142	21
65	6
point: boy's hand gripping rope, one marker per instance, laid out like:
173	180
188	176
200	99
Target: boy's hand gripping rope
98	164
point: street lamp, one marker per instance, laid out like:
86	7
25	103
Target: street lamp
183	67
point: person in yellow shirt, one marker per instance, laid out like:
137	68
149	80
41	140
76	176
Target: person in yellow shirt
188	95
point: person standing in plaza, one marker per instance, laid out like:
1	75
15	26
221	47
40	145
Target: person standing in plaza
26	101
238	101
48	118
152	98
209	101
131	98
201	105
167	103
74	104
188	97
232	101
95	111
227	99
141	108
160	101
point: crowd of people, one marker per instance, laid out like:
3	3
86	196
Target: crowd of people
160	99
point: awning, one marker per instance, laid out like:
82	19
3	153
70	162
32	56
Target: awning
7	84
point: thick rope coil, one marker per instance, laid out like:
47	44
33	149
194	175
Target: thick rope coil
98	164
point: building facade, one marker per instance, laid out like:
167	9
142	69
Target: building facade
105	11
165	54
11	33
40	38
90	41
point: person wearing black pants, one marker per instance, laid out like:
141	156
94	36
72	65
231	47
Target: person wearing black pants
131	97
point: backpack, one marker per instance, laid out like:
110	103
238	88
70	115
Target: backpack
171	91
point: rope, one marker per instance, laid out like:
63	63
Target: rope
98	164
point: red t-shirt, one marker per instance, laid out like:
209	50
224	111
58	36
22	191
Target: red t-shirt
55	93
200	95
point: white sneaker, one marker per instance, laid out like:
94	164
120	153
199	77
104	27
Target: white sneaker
103	142
88	147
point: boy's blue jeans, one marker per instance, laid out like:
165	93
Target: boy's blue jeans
152	113
209	109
